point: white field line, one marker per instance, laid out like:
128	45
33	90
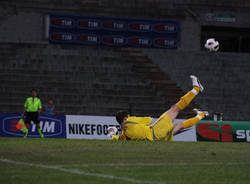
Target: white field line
156	164
79	172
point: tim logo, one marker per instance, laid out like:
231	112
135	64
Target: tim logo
114	25
215	132
51	127
62	37
140	27
165	28
139	42
165	43
88	39
62	22
114	40
88	24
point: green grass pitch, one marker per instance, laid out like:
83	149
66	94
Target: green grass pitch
63	161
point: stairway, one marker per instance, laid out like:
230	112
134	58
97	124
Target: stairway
81	80
168	89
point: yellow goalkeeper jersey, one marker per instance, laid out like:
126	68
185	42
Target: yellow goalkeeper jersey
136	128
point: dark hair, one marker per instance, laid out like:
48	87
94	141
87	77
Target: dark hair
120	115
33	89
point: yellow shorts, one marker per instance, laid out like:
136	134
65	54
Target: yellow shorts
162	128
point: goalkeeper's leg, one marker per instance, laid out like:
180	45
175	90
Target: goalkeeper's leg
186	99
190	122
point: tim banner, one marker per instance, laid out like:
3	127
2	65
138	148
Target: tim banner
52	126
95	127
113	31
223	131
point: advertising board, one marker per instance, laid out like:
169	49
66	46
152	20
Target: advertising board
52	126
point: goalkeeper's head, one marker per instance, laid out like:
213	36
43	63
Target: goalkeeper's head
122	116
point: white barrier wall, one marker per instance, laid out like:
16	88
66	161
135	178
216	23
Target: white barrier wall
88	127
187	135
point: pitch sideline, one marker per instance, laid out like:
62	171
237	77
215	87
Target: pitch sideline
76	171
157	164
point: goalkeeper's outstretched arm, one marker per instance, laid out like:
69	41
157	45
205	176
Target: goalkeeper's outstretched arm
112	132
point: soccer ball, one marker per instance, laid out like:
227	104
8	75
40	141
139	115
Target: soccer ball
112	131
212	45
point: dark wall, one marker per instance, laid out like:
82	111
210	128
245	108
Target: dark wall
225	77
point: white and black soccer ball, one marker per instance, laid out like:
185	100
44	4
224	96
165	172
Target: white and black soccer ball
212	45
112	131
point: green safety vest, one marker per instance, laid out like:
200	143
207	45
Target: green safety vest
32	104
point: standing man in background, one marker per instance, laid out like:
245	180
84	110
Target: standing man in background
49	108
32	108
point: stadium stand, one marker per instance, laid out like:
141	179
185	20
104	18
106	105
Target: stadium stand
225	77
101	80
83	80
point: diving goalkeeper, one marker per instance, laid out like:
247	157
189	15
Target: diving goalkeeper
141	128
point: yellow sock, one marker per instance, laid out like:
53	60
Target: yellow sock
187	98
192	121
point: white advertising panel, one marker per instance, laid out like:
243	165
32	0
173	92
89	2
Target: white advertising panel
188	134
89	127
95	127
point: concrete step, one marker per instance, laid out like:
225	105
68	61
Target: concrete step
130	99
60	79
